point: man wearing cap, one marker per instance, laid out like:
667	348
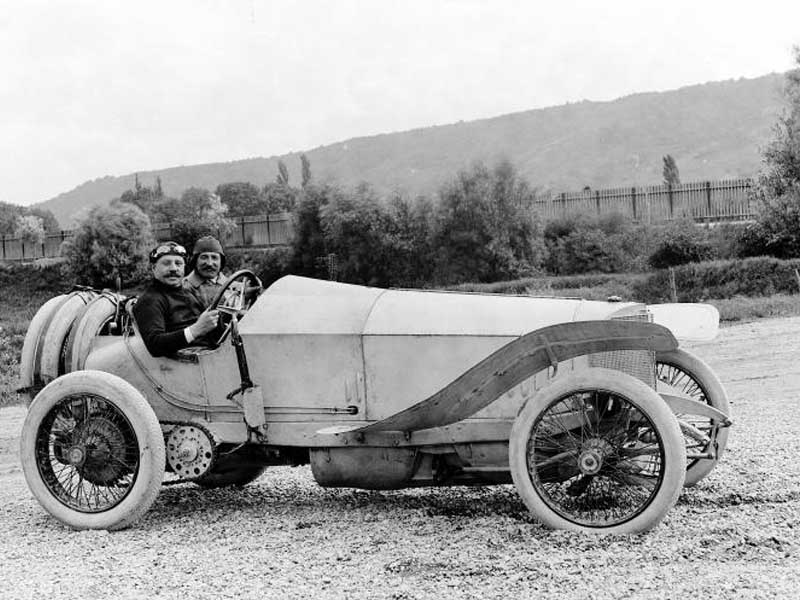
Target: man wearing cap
169	316
206	278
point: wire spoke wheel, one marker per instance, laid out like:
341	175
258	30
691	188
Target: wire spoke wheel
597	450
92	451
87	453
595	458
690	376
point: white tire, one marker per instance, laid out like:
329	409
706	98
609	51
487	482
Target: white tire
597	451
92	451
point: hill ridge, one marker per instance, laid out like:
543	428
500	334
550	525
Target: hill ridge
713	130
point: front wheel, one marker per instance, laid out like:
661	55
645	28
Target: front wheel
598	451
92	451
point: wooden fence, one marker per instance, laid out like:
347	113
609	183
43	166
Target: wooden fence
704	201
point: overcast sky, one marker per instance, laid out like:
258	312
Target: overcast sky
95	88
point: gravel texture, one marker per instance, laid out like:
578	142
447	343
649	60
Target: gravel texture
735	535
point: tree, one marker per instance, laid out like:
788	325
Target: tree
10	214
49	221
485	226
778	186
283	174
30	229
111	241
198	212
308	240
305	170
242	199
277	197
671	175
355	227
143	196
410	240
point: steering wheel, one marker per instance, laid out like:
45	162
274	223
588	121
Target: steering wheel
233	301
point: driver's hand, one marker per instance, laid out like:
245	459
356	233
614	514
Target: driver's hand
207	321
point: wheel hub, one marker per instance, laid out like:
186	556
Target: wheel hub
190	451
75	456
592	455
101	449
590	462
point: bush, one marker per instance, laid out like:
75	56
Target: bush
112	241
761	276
679	243
607	244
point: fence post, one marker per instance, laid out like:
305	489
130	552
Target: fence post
22	245
269	235
597	200
4	246
633	201
708	197
671	202
563	204
241	220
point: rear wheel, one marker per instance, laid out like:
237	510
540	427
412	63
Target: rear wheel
92	451
597	451
691	376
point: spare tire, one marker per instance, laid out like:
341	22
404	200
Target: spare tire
93	320
32	346
51	360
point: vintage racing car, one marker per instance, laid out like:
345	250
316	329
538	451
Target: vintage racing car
590	408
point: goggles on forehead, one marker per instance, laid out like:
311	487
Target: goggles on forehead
167	248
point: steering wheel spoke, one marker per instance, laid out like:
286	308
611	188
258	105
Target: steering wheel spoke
245	296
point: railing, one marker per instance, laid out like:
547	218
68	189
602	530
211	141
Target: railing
704	201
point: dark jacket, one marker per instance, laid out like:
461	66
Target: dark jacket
162	312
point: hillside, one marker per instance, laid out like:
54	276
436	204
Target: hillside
714	131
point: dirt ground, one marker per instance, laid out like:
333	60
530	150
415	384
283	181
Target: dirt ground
735	535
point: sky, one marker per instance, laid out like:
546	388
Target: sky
90	88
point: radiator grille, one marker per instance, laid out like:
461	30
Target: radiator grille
637	363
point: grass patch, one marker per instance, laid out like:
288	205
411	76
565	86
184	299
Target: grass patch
741	308
17	308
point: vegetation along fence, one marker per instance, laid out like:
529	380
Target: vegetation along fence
260	231
704	202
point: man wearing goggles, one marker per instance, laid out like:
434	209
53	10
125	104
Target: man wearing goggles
169	316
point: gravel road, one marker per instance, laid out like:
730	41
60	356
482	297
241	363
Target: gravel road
735	535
